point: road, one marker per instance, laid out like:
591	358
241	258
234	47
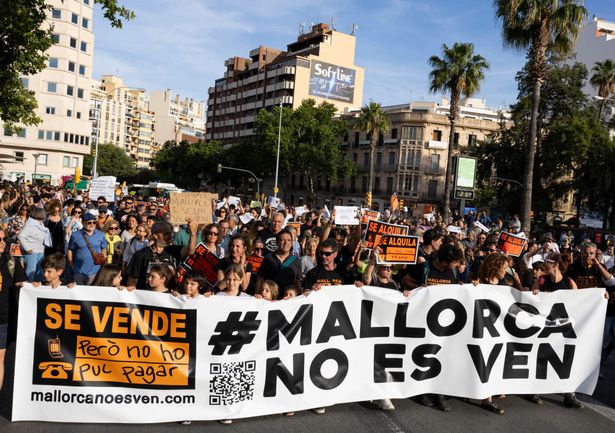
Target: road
521	416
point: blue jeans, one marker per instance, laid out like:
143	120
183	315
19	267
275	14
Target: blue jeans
33	266
608	338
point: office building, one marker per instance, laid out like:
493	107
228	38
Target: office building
177	119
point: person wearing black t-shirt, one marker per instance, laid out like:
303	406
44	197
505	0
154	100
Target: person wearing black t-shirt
410	277
281	267
326	273
379	275
269	235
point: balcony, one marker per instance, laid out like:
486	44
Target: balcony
435	171
434	144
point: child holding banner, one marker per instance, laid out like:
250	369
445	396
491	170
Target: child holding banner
382	277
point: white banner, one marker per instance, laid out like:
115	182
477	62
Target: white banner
103	186
94	354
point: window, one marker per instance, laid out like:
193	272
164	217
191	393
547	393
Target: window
78	114
56	136
389	185
73	43
394	133
8	132
84	23
436	135
86	2
353	185
472	140
56	14
66	137
52	87
432	189
80	93
378	159
50	110
19	157
69	113
434	163
42	159
356	138
41	134
66	161
365	159
411	133
376	185
364	184
70	90
21	132
74	19
391	163
71	66
81	69
355	157
53	62
456	138
56	38
84	46
48	135
74	162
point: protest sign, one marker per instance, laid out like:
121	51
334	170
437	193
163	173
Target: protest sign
398	250
233	200
295	225
191	205
300	210
481	226
376	229
246	218
255	204
346	215
94	354
369	215
274	202
204	262
511	244
15	250
103	186
255	261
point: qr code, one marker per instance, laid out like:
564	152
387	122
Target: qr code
232	382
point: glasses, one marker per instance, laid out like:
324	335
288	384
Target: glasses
212	233
326	253
100	202
258	249
4	239
90	223
78	213
153	208
114	228
129	203
386	268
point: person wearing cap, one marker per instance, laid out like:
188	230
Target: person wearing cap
81	245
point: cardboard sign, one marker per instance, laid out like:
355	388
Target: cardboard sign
377	229
346	215
369	215
295	225
398	249
481	226
191	205
255	261
255	204
511	244
103	186
204	262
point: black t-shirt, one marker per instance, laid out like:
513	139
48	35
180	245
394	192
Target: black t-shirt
435	276
8	292
389	285
415	271
585	277
320	275
145	258
546	285
283	274
344	257
269	239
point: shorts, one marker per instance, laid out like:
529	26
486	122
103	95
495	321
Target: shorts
4	332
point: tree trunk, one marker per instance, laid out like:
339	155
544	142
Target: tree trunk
526	199
372	150
448	179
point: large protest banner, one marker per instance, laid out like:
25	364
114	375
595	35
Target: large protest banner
93	354
193	205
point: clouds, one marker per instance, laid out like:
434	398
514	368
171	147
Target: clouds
183	45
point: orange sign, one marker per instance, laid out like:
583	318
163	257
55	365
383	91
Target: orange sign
398	249
377	229
511	244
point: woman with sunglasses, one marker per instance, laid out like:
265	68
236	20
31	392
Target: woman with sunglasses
56	227
114	253
210	239
379	275
72	224
17	223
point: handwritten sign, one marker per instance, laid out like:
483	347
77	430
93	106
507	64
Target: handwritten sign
377	229
103	186
191	205
511	244
346	215
398	249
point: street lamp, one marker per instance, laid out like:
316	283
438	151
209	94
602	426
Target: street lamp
277	160
256	179
35	155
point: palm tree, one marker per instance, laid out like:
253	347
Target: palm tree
459	72
604	79
372	120
540	27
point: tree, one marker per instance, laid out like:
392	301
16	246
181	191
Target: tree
24	41
112	161
604	79
373	121
458	72
540	27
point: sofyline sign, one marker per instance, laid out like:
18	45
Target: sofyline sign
332	81
94	354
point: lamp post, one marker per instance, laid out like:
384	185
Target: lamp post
277	160
35	155
95	163
256	179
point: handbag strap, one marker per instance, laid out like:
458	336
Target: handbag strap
87	243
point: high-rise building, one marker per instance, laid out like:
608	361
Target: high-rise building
318	65
56	146
595	43
177	119
121	116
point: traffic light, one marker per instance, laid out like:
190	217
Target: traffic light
368	199
219	168
401	204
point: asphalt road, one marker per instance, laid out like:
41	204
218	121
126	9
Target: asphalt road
521	416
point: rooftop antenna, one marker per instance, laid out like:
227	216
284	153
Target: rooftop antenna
301	28
355	27
332	23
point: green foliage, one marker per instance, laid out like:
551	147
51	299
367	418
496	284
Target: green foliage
24	40
187	164
373	120
112	161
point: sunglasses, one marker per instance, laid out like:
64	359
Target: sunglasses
4	239
386	268
258	249
114	228
212	233
100	202
326	253
89	223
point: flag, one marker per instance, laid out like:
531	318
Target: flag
394	202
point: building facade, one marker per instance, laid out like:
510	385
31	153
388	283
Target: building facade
177	119
56	147
318	65
121	116
595	43
411	157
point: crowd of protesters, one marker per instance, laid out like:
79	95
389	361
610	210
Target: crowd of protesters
54	237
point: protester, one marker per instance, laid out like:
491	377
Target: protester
114	252
87	250
55	225
33	238
237	257
211	235
281	266
233	278
109	275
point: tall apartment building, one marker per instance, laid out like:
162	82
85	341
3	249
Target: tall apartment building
595	43
318	65
121	116
56	146
177	119
411	158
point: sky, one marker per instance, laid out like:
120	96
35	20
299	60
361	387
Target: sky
182	45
